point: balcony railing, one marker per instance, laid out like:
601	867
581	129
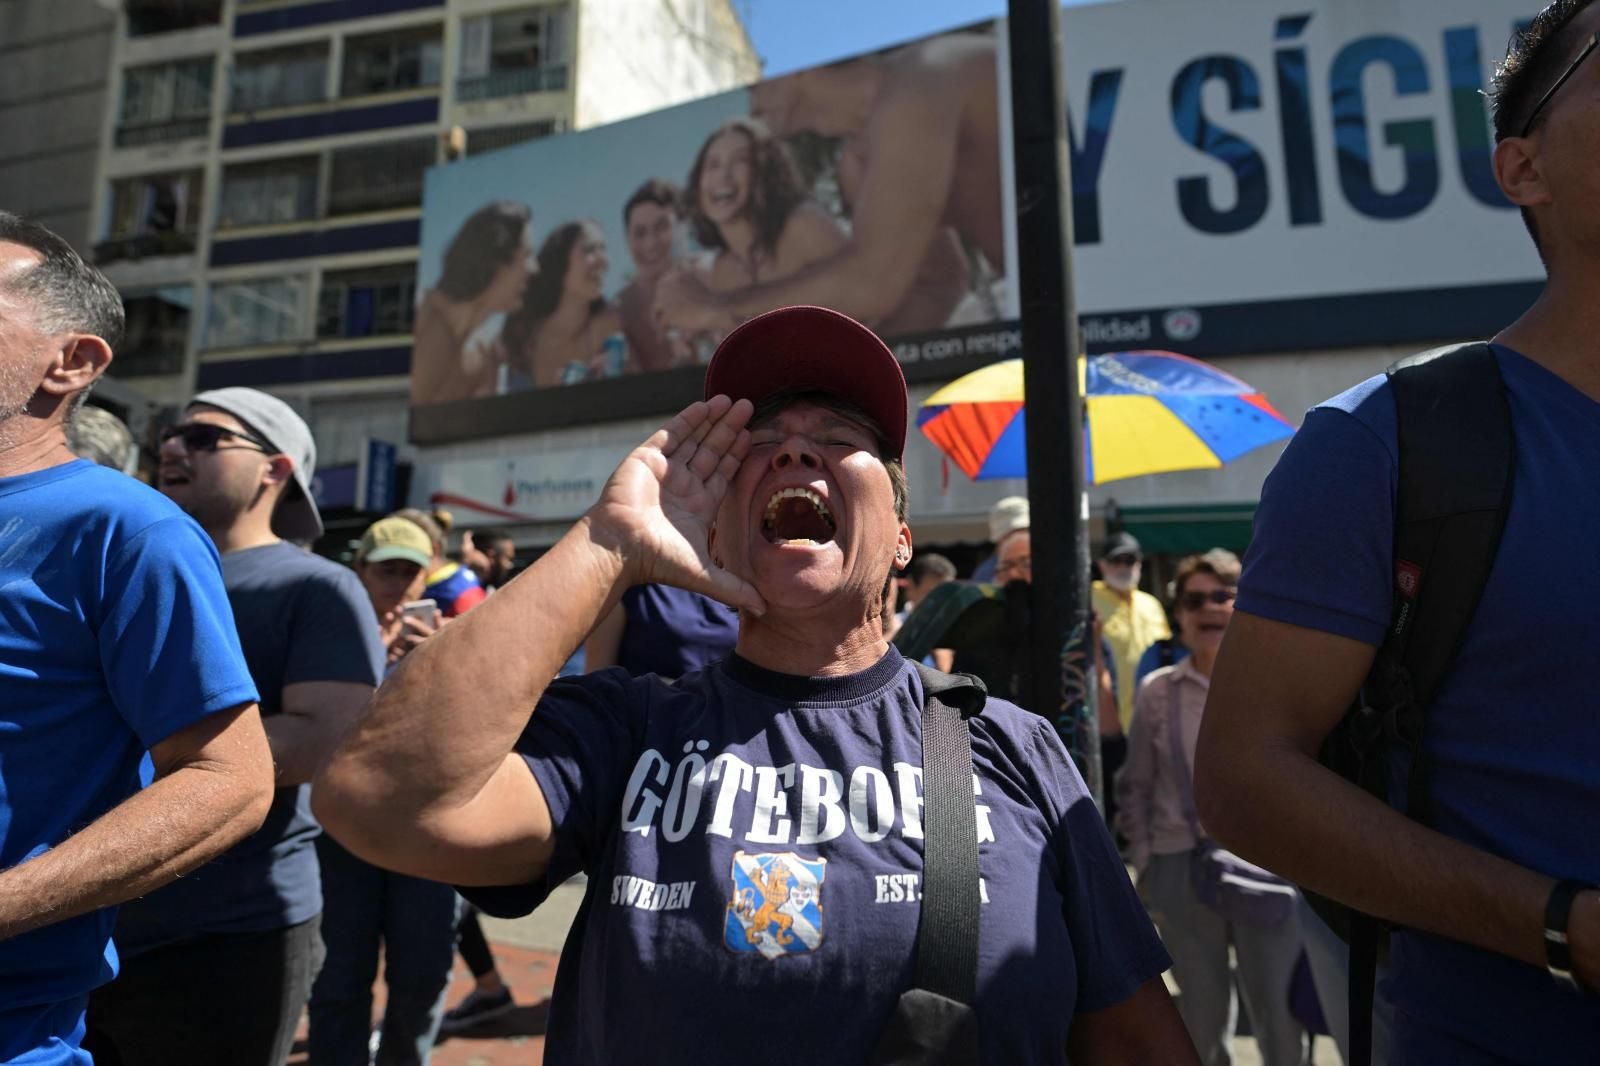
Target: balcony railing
161	132
515	82
151	358
166	16
145	245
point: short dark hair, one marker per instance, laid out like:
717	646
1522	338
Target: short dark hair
778	401
655	191
930	564
485	537
1533	62
65	294
488	240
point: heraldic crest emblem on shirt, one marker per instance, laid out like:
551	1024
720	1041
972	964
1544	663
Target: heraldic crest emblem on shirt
776	906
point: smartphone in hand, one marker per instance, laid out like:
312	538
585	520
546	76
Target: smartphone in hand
426	611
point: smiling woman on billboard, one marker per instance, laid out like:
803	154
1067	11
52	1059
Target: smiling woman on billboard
566	330
485	269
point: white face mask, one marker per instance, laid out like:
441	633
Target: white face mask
1120	579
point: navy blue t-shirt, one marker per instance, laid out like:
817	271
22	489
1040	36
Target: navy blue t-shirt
115	634
754	845
672	631
301	618
1513	734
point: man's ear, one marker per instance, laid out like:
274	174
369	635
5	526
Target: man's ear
279	471
902	548
81	360
1517	170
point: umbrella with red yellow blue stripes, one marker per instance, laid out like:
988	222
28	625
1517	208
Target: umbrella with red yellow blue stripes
1148	412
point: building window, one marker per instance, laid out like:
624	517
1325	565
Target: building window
280	77
262	194
165	102
390	62
153	214
260	311
514	52
146	17
157	332
487	140
375	302
379	177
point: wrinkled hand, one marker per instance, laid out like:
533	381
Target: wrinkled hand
660	504
683	302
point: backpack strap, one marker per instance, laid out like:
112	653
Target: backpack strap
947	933
1457	456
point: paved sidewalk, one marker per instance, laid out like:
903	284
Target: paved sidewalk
525	952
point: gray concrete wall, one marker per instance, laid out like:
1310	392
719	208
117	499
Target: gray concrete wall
54	57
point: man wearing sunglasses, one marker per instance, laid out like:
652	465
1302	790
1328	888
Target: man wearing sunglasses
1497	953
220	964
115	640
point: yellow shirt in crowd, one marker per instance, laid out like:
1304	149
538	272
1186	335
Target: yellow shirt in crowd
1130	627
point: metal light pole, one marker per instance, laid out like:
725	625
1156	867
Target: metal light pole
1060	656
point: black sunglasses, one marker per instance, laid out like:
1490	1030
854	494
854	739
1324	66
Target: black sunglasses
1125	559
204	437
1594	40
1193	601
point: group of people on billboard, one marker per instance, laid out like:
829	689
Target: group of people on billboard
872	185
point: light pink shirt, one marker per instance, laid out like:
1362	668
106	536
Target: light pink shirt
1149	803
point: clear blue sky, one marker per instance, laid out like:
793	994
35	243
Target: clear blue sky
791	34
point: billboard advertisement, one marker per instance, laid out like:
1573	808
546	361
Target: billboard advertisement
1259	176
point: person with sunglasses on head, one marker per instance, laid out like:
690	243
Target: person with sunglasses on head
220	964
1489	882
116	640
1152	799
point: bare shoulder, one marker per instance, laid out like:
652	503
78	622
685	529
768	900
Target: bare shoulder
950	60
810	221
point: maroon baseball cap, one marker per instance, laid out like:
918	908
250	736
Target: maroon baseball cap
813	348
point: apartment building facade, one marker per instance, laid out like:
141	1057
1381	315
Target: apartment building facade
258	185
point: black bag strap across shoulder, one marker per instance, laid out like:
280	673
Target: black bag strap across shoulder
947	933
1457	454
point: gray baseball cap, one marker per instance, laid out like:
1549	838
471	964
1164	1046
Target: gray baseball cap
276	423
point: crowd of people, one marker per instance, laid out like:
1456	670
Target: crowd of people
234	774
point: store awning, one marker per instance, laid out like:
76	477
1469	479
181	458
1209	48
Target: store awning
1181	530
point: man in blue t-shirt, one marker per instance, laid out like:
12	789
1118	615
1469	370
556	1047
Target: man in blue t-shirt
115	639
220	964
753	832
1481	893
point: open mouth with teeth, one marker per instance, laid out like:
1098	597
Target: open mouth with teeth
799	517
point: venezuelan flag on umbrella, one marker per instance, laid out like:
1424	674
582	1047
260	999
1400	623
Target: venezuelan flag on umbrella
1149	412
